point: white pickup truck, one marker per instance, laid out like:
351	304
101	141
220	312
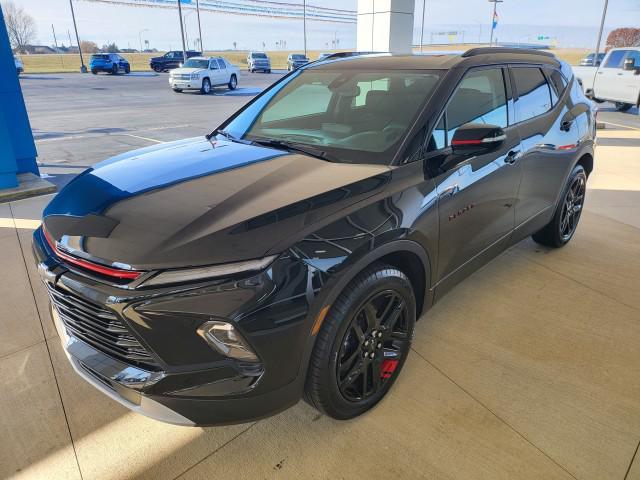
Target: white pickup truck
617	79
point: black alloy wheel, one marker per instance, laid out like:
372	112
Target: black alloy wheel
372	347
622	106
562	226
363	343
572	207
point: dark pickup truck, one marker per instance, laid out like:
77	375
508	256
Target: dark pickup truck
170	60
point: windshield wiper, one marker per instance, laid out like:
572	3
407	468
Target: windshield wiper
295	147
228	136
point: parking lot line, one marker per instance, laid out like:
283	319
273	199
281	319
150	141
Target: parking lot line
143	138
621	126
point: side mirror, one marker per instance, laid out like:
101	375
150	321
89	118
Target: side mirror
629	64
472	138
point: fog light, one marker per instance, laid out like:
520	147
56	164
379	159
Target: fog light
223	337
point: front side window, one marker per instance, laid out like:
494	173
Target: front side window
343	113
480	98
213	65
534	96
616	58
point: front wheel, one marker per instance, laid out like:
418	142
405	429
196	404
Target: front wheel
362	343
562	226
623	107
177	90
206	87
233	82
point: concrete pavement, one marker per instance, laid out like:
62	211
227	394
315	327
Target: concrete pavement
528	369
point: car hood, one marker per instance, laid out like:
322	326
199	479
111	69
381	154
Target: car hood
200	202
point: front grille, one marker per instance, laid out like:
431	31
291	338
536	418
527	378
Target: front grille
99	327
182	76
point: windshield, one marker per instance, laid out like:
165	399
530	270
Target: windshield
258	55
343	113
99	57
298	57
196	63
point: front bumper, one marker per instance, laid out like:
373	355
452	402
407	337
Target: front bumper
180	84
184	381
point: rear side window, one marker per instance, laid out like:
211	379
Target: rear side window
615	59
557	82
534	96
222	64
480	98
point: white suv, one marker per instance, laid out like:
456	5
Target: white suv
203	73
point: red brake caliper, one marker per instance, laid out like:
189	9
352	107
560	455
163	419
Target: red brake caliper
388	367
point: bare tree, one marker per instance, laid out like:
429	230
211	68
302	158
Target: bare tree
88	47
20	25
624	37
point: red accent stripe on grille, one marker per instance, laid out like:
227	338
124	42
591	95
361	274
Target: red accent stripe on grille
94	267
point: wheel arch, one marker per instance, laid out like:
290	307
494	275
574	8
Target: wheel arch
586	160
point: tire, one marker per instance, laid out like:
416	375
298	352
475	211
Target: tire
127	69
114	70
206	87
339	343
623	107
233	82
177	90
94	71
557	233
157	68
268	71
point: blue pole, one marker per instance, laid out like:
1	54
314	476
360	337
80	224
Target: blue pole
17	148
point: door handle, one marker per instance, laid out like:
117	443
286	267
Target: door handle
450	191
600	73
511	157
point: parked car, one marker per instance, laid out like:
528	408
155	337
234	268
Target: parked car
289	253
109	63
203	73
322	56
296	60
588	60
258	61
617	79
19	64
170	60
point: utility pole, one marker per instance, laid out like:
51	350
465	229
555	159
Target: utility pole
304	23
199	26
604	14
55	42
424	5
184	49
83	68
494	19
140	36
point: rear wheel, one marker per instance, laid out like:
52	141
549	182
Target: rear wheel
623	107
233	82
177	90
362	344
94	71
562	226
157	68
127	69
206	87
114	69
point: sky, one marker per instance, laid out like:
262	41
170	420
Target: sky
567	23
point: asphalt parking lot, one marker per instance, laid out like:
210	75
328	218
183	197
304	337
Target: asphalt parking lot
527	370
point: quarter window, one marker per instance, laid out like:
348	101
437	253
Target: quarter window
214	65
557	82
534	97
616	58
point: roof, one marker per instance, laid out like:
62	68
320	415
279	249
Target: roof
439	61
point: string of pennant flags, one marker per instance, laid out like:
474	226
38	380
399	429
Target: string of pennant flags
261	8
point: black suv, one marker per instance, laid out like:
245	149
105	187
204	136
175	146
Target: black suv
290	252
171	60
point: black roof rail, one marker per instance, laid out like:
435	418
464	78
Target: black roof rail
488	50
349	54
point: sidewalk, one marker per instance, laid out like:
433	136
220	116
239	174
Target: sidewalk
529	369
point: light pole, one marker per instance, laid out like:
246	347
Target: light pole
604	14
83	68
140	36
424	5
304	24
494	19
199	26
184	49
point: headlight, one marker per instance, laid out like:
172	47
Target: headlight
214	271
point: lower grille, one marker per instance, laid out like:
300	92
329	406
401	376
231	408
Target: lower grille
100	328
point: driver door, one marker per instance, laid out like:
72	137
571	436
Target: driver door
476	192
